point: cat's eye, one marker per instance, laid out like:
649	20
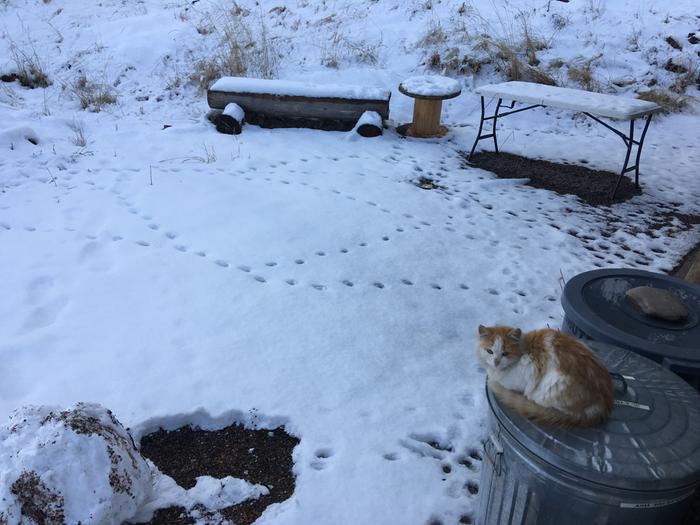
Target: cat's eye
489	351
505	354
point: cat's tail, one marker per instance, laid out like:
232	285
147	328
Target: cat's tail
546	416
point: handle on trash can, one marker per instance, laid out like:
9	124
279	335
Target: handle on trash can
494	453
621	379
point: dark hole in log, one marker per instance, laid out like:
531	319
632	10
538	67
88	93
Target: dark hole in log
227	124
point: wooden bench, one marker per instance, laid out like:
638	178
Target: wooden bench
282	103
594	105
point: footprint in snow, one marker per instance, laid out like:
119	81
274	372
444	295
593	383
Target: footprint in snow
320	457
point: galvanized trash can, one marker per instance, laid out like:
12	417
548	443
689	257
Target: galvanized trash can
596	307
642	467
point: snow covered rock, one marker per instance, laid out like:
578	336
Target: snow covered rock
69	466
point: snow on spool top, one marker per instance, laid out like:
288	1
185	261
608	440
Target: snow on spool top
291	88
430	86
70	466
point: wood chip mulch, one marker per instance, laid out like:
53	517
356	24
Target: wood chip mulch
591	186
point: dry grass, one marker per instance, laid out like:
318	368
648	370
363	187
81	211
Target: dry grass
560	22
435	36
581	71
343	49
670	102
243	48
92	95
78	129
531	43
28	67
511	63
688	75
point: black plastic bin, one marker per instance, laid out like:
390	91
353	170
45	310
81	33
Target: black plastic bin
596	307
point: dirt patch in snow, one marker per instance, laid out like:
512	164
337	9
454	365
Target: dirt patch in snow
260	456
591	186
38	502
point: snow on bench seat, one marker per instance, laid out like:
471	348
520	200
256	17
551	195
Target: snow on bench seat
289	88
285	103
611	106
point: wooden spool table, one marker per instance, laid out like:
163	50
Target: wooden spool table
428	91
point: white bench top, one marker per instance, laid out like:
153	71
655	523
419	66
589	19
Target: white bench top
289	88
599	104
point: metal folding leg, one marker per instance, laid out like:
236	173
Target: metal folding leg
496	115
629	143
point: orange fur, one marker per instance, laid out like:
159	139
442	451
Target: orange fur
564	383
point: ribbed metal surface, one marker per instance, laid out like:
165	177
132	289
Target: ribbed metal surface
650	442
640	468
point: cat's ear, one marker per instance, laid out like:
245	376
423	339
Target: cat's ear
483	331
515	334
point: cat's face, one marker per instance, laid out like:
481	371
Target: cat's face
498	346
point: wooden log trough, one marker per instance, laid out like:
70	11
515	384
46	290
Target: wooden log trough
284	104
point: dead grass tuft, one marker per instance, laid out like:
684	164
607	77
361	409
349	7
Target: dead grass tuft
243	48
687	75
670	102
581	71
344	49
29	69
91	94
78	129
435	36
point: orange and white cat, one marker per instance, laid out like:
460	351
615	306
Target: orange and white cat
546	375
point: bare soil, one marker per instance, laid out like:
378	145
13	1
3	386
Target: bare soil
260	456
591	186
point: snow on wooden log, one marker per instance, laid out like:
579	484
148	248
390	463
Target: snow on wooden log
288	88
278	103
369	124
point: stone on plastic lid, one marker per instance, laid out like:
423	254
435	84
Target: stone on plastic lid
658	303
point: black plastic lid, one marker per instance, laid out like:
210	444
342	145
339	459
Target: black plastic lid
596	303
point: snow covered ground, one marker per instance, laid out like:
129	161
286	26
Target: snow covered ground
177	275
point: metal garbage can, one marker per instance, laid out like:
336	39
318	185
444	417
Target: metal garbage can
641	468
596	307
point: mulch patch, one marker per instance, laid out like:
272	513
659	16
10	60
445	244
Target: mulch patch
259	456
591	186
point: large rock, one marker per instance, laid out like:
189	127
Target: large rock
69	466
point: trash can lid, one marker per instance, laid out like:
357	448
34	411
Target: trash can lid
651	441
597	303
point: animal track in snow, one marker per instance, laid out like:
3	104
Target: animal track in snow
46	314
320	457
